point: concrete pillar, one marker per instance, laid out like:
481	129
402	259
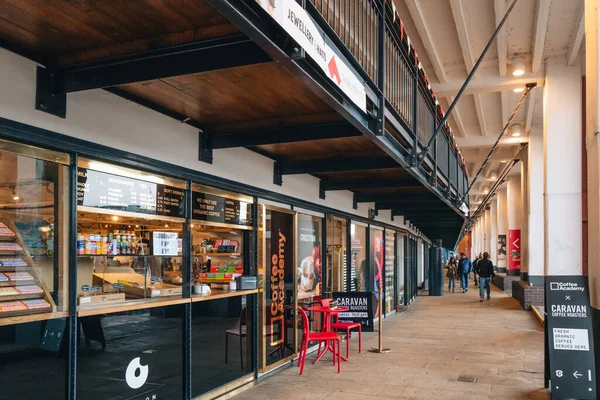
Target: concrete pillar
502	230
524	213
488	231
494	230
535	209
592	113
562	168
513	237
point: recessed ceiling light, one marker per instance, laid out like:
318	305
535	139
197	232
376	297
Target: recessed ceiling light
115	218
519	90
494	177
518	66
502	161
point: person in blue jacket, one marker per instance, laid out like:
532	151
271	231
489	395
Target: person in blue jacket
465	267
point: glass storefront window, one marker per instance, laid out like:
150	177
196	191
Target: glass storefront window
336	254
129	239
310	273
358	266
132	355
34	218
400	266
390	259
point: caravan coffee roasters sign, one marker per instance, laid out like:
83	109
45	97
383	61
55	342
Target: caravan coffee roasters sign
300	26
569	340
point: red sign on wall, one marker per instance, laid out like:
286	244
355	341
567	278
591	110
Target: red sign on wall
514	249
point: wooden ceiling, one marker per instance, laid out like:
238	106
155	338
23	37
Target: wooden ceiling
67	31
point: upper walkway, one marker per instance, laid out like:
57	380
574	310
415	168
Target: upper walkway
434	343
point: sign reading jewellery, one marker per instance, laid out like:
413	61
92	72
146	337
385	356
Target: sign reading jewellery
300	26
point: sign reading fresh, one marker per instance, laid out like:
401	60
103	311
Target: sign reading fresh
300	26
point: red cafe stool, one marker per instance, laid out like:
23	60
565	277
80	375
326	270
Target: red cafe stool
347	327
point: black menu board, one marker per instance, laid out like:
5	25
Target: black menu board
211	208
108	191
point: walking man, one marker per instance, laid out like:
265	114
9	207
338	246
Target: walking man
486	274
465	266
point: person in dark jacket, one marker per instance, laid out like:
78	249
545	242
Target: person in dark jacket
476	268
486	274
464	269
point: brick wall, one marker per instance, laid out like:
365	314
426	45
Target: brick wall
528	295
504	282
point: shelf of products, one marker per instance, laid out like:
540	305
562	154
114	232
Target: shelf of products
123	259
20	289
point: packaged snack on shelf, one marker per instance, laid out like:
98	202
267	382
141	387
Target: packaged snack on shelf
37	303
19	276
8	291
8	246
12	262
29	289
12	306
5	231
3	278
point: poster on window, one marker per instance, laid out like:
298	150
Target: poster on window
279	271
309	257
514	249
502	251
377	266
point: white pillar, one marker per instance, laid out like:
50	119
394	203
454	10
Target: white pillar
513	236
494	230
524	213
535	229
562	168
488	231
592	94
502	229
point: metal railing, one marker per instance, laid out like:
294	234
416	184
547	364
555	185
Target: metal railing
357	25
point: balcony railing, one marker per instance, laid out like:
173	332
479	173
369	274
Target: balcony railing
356	24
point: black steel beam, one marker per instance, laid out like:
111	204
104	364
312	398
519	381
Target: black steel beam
371	184
206	55
336	165
284	134
393	198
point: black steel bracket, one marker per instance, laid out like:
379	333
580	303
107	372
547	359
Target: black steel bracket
277	176
205	150
322	189
45	98
354	201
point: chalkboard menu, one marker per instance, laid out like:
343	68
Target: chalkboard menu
569	338
102	190
211	208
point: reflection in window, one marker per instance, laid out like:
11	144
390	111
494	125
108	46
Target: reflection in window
358	267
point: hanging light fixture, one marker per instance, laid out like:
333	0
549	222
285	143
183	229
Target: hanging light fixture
518	66
515	130
14	194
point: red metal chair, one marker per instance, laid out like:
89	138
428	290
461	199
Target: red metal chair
308	337
345	326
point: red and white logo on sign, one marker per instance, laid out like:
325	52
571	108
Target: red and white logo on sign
333	71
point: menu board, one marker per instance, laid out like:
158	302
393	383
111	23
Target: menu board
211	208
102	190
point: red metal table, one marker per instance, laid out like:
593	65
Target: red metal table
328	312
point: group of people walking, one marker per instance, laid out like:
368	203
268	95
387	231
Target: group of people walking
482	269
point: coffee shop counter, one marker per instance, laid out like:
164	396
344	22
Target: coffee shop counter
222	294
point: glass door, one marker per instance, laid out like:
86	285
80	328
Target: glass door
278	287
336	254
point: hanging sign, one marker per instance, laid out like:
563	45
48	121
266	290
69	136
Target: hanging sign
211	208
514	249
569	338
300	26
114	192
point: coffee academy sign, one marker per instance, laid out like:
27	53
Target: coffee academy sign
299	25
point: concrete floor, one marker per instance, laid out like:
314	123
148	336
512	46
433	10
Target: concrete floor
436	341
